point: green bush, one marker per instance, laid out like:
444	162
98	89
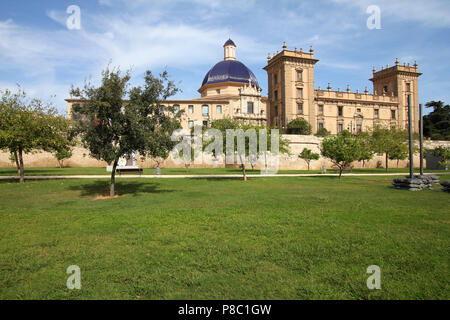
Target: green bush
299	126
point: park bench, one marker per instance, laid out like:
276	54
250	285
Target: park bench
120	170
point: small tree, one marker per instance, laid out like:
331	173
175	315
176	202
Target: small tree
299	126
30	125
342	150
63	154
111	129
399	152
322	132
365	147
444	153
308	155
389	141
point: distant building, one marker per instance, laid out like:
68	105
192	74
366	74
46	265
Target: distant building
292	94
231	90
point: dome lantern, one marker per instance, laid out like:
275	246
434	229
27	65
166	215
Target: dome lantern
229	50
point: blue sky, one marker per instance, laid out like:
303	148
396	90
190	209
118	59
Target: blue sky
185	37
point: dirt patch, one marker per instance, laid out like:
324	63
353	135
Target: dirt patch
105	197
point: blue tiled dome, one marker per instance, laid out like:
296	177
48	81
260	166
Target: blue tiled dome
230	70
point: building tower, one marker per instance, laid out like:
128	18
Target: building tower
229	50
291	87
400	81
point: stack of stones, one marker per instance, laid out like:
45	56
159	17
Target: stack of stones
446	186
416	183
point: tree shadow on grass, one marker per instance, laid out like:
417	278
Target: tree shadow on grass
101	188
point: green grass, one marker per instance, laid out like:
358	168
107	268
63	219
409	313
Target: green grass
48	171
267	238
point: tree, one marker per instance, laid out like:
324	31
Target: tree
399	152
444	153
308	155
111	129
322	132
436	125
342	150
62	154
299	126
28	125
389	142
365	144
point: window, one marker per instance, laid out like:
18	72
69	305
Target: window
393	114
377	113
275	93
275	79
408	86
300	108
249	107
385	89
358	110
218	91
205	123
320	108
176	109
190	124
340	127
219	109
276	111
191	109
321	125
340	111
299	75
205	111
300	93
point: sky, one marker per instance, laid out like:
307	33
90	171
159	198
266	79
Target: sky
39	51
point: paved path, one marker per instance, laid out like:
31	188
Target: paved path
206	176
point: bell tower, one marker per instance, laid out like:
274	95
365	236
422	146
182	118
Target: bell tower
401	82
290	75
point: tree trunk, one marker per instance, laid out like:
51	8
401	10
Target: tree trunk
21	173
308	165
16	157
340	172
113	179
387	162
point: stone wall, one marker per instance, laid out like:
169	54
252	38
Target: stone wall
297	143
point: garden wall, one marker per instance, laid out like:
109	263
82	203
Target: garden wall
297	143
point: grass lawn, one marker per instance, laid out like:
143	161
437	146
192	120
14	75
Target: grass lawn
267	238
49	171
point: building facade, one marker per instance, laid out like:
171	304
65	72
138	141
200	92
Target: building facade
231	90
292	94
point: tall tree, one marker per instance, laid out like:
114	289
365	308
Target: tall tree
342	150
308	156
111	128
436	124
28	125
